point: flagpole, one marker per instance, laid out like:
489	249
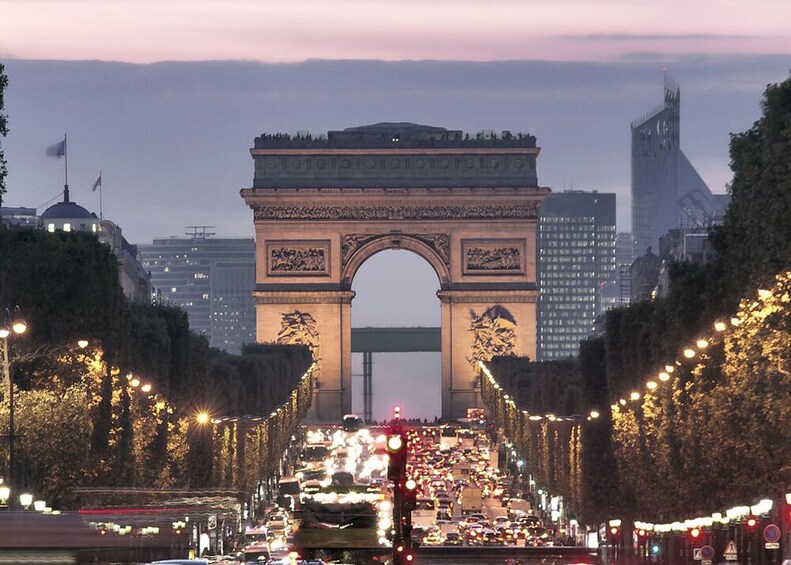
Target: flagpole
66	165
101	216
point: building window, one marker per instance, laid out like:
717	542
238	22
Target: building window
50	227
67	227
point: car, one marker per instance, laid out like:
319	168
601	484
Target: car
180	562
452	538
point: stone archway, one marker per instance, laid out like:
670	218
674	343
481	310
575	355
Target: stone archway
322	207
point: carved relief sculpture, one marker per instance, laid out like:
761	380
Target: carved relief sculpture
494	333
439	242
439	212
289	259
297	258
299	328
493	257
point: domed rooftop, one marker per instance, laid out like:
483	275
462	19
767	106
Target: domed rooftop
66	210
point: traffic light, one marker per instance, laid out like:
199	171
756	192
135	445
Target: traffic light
396	450
694	534
656	548
410	495
751	522
615	534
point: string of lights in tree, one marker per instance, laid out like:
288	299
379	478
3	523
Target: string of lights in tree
762	306
760	312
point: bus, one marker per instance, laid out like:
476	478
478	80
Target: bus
352	423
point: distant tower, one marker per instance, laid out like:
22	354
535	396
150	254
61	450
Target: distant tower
667	191
576	267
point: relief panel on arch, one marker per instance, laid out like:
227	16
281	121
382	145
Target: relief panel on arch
490	257
298	258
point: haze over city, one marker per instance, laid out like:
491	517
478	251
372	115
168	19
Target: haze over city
165	99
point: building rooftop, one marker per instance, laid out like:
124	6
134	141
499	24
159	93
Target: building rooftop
393	135
66	210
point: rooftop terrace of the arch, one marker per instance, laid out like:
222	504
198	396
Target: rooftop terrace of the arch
467	205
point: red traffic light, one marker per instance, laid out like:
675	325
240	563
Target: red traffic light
614	531
751	522
641	533
694	533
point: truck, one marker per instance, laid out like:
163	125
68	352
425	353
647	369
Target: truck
471	499
425	513
519	507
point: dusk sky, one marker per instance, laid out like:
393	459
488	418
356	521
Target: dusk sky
166	97
145	31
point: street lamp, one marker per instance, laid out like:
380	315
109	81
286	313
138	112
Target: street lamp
5	492
11	324
26	499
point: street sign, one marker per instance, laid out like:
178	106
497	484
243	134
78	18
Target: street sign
772	545
696	554
706	562
771	533
730	553
707	553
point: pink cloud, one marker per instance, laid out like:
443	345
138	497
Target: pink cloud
143	31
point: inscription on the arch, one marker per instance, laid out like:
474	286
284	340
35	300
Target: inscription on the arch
298	258
493	256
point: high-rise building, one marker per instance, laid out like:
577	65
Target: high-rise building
576	262
667	191
624	256
211	279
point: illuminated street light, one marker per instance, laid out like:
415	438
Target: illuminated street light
82	343
689	353
635	395
702	344
651	385
26	499
146	388
11	323
719	326
202	418
664	376
594	414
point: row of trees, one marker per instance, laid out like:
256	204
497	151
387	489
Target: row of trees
714	436
83	418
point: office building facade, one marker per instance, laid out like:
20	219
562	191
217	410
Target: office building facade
667	191
212	279
576	263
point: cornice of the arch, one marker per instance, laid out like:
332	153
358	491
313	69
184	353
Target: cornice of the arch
357	248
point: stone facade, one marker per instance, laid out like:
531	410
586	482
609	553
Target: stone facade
477	230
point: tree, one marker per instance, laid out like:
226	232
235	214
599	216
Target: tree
754	240
3	131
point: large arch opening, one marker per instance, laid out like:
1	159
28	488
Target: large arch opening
397	288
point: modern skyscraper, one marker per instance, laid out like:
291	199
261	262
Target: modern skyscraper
576	261
211	279
624	256
667	191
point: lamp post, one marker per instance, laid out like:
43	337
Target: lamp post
10	325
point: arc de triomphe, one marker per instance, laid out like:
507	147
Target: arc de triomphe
466	204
